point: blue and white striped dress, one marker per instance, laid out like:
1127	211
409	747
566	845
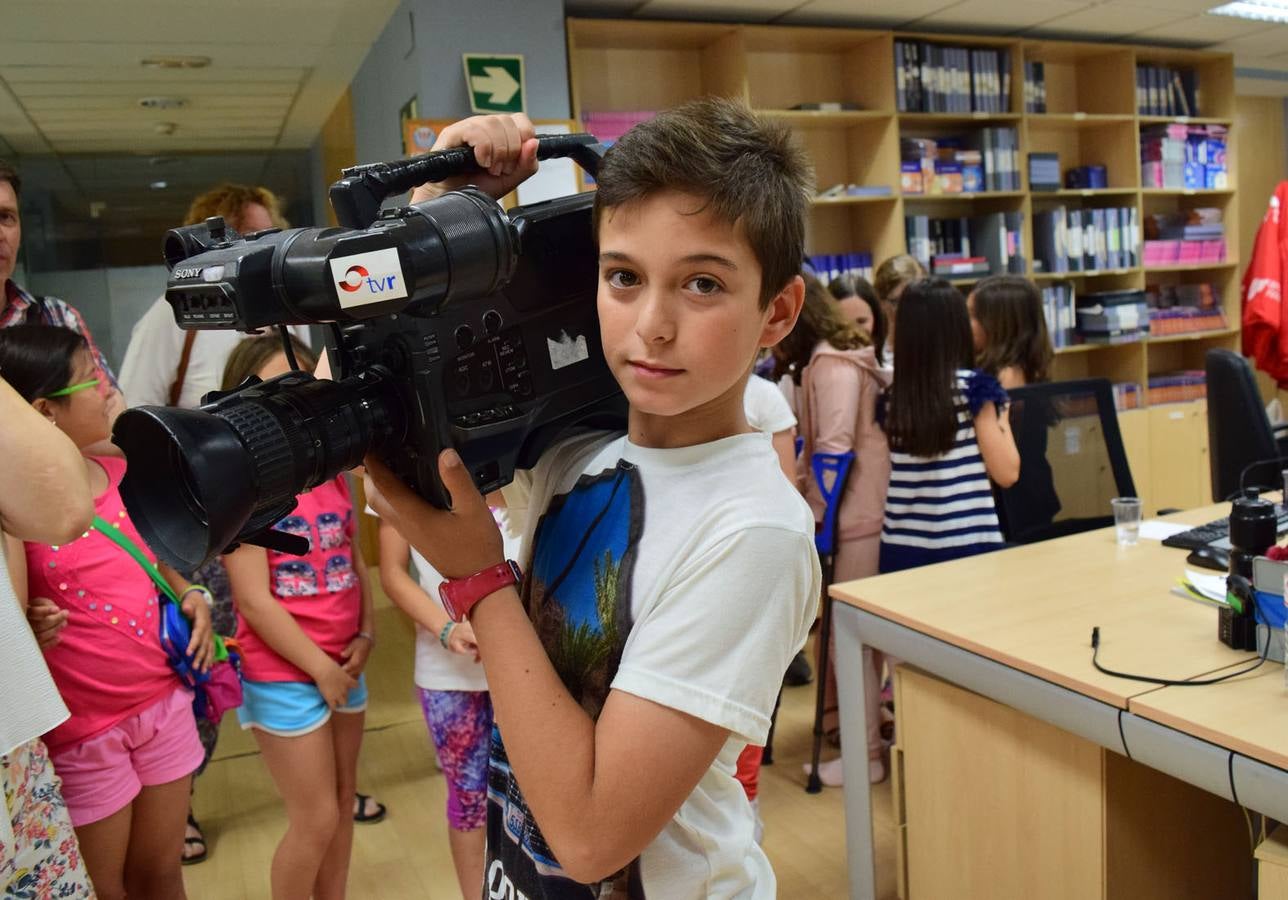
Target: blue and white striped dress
940	508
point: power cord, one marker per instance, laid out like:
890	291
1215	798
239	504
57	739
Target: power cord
1167	682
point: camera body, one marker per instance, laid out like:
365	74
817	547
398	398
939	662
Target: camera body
451	324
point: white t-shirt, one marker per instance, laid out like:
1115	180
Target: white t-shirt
30	704
687	577
766	407
152	359
437	668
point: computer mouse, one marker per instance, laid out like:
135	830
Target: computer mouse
1210	557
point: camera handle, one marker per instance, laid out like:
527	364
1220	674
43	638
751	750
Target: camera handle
356	198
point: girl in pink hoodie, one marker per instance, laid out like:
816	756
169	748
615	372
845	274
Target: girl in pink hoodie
838	382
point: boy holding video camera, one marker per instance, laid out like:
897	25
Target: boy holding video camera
669	573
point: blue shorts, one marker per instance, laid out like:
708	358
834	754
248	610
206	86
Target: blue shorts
292	708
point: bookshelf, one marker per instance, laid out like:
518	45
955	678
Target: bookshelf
1090	118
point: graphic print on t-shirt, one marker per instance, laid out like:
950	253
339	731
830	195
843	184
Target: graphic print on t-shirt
296	577
577	591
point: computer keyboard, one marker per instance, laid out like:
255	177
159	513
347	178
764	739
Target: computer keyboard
1216	532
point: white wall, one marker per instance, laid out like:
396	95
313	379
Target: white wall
111	300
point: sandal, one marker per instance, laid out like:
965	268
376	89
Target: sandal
191	859
363	817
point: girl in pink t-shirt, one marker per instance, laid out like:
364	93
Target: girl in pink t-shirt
127	753
306	631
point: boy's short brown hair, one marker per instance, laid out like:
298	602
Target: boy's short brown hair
228	200
750	171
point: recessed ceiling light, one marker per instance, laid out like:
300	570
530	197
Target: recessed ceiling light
175	62
1261	10
158	185
162	102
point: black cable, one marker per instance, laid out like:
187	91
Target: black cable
288	349
1166	682
1252	465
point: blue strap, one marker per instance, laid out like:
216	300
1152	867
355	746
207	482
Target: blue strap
831	471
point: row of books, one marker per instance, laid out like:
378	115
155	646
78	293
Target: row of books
609	126
1126	395
967	246
1035	98
1164	91
985	160
1057	305
1183	253
1184	308
1191	236
1183	156
939	78
1086	240
1177	387
830	266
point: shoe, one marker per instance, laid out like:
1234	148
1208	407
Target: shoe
798	672
360	813
191	841
759	827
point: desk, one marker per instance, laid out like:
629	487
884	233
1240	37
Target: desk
1015	626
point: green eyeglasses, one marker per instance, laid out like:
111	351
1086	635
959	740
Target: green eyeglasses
73	388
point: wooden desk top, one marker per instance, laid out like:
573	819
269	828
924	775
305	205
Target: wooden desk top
1244	714
1033	607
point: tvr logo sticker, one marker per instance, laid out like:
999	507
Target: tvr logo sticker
372	277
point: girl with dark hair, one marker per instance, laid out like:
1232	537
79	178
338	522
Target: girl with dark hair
949	435
127	753
858	301
1010	331
839	381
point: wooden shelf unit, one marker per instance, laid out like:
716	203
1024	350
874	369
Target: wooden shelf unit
1091	119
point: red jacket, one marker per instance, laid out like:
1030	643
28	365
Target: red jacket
1265	327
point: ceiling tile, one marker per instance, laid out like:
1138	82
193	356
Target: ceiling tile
1202	29
998	16
1116	20
603	8
1179	8
1266	41
882	13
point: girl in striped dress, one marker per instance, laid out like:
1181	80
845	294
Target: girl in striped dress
949	435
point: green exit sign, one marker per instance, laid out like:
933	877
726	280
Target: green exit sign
495	83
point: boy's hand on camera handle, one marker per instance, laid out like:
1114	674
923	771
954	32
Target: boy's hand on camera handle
505	146
458	542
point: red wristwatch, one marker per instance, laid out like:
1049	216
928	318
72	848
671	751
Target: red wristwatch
460	594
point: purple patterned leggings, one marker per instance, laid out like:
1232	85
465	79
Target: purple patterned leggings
460	724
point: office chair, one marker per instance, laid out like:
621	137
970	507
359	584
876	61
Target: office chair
1242	446
1072	461
831	471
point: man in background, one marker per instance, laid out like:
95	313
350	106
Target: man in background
167	366
20	306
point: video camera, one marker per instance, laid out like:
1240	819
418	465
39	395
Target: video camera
452	323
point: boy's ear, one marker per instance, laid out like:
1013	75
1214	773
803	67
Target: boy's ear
783	311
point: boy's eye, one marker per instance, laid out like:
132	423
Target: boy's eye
621	278
703	284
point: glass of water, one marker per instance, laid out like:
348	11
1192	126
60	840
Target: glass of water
1127	519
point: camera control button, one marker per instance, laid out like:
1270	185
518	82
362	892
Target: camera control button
492	321
464	337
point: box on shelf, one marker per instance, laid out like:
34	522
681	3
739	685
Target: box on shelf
1112	317
1087	178
1044	171
911	179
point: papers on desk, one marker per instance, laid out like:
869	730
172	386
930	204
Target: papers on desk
1200	586
1158	530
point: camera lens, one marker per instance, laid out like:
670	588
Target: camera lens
202	479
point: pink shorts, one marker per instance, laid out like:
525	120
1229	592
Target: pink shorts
156	746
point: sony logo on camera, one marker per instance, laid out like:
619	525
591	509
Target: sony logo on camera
371	277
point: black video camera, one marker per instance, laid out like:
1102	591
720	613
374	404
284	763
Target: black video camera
452	324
